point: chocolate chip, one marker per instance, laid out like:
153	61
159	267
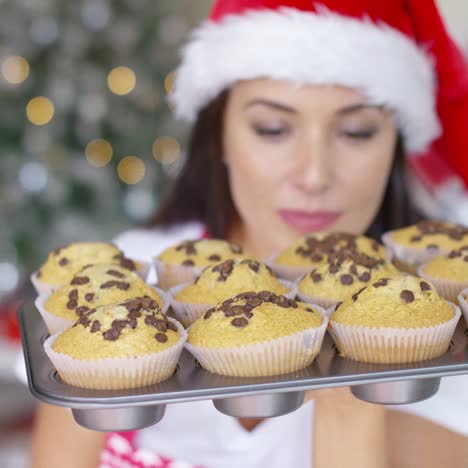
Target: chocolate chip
150	320
82	310
382	282
407	296
255	302
266	296
208	314
118	324
89	297
338	305
115	273
161	325
79	280
240	322
365	277
122	285
188	263
73	294
347	280
160	337
63	261
96	326
214	258
248	314
72	304
465	259
188	246
356	295
375	246
316	277
316	258
127	264
416	239
171	326
334	269
111	334
308	309
425	286
133	323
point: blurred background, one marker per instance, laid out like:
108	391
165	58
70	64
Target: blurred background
88	143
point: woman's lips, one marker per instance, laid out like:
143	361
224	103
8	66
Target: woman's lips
306	221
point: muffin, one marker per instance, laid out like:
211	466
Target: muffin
394	320
221	281
118	346
417	244
64	262
257	334
313	250
94	286
342	275
448	273
185	261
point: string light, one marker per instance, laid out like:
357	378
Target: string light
15	69
98	152
166	150
131	170
40	110
121	80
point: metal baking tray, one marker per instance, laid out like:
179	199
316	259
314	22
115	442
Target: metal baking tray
241	397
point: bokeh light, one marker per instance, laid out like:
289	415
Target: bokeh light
33	177
121	80
15	69
131	170
169	82
166	150
40	110
98	152
9	276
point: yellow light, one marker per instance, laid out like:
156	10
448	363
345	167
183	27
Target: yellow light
121	80
131	170
166	150
40	110
98	152
15	69
169	82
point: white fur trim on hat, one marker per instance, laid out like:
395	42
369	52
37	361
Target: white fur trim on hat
383	64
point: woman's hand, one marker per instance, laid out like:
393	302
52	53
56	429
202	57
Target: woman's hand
348	433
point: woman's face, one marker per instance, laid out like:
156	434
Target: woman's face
302	159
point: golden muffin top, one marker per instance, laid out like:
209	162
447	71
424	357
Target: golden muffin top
252	317
97	285
228	278
64	262
200	253
402	301
432	236
452	266
343	274
131	328
314	249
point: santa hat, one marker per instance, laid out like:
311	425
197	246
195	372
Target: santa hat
396	53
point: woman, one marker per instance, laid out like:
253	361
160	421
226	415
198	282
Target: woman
302	121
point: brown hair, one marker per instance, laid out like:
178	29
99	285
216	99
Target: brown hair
201	191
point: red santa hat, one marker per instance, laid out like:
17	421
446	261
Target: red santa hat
396	53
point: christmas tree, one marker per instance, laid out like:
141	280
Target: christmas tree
87	139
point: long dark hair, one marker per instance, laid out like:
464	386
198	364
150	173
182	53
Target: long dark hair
201	191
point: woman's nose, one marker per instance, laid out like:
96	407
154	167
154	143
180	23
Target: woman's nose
314	170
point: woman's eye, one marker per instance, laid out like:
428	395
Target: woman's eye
271	132
364	134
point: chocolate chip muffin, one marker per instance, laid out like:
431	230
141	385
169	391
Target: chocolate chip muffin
185	261
449	273
417	244
93	286
64	262
124	345
313	250
396	319
221	281
257	334
342	275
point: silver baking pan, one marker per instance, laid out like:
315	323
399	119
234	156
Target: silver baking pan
242	397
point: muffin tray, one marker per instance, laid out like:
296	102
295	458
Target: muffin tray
241	397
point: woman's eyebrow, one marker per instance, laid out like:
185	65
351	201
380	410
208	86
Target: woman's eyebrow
273	104
358	107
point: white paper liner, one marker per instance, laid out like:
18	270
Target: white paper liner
187	313
448	289
40	286
407	258
394	345
173	275
166	298
117	373
326	304
463	304
143	270
287	272
54	323
275	357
